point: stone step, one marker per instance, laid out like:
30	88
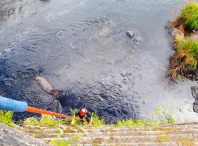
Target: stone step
134	139
104	134
163	125
114	129
55	135
187	143
136	133
93	131
99	134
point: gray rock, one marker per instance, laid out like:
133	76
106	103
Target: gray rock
175	31
130	34
195	108
45	85
12	137
194	91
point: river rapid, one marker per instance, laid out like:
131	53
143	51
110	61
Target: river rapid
70	42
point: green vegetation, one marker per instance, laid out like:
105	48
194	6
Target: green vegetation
188	49
59	142
189	15
186	55
135	122
179	77
58	131
45	120
80	130
163	137
163	115
160	116
6	117
97	121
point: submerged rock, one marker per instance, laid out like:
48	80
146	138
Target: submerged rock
45	85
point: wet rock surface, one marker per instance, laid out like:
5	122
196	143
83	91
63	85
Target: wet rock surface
194	91
12	137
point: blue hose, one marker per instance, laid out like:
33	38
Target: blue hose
12	105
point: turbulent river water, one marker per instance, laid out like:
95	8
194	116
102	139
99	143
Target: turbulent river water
49	38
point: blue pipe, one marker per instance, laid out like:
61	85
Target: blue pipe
12	105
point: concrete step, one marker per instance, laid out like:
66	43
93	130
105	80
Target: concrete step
187	143
169	135
134	139
104	134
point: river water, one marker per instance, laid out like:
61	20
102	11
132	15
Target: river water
40	37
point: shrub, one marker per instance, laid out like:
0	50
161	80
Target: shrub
6	117
186	54
97	121
45	120
189	15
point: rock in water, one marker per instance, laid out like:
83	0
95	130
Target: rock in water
130	34
194	91
45	85
175	31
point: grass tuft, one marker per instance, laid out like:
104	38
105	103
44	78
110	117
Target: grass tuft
189	15
186	55
6	117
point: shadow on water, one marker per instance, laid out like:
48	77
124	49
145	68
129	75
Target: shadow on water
81	47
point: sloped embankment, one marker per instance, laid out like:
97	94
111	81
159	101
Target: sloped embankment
168	134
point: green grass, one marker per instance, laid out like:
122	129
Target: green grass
45	120
6	117
186	54
135	122
160	116
187	48
189	15
59	142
